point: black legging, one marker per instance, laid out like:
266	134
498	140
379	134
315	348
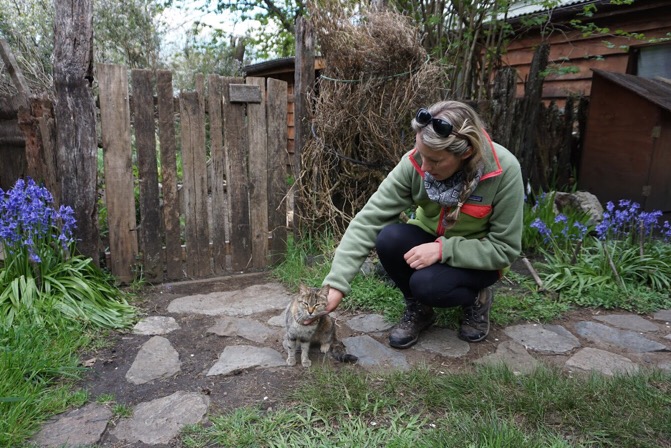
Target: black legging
438	285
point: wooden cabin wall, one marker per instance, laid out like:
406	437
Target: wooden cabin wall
568	48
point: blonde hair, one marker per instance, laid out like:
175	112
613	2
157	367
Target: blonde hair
467	132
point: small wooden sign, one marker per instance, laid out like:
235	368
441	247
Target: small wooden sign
244	93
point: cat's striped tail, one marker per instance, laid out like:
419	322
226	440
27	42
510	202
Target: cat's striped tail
338	353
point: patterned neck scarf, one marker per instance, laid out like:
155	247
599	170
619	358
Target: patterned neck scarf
448	191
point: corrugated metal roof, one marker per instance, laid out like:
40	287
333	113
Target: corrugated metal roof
526	7
655	91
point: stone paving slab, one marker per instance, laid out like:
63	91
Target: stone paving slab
373	355
628	322
243	327
369	323
156	325
514	356
590	359
663	315
160	420
156	359
80	427
239	303
625	339
239	357
543	338
443	342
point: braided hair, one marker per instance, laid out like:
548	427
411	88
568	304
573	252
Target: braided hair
468	132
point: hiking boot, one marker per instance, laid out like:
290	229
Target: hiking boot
416	318
475	322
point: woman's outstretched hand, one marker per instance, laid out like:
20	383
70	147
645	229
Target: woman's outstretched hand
334	298
423	256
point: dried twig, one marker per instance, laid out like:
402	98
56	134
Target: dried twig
533	272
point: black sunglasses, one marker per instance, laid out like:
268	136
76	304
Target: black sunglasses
442	127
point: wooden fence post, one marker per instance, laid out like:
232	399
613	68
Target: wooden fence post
277	168
74	110
530	116
145	143
258	174
115	126
304	79
195	185
236	147
166	135
219	230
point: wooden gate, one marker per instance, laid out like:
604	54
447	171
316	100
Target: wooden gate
211	189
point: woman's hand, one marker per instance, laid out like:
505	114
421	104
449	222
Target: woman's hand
334	298
423	256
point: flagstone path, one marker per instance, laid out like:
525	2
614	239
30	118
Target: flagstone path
247	324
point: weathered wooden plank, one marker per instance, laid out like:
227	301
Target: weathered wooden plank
304	79
236	148
119	198
145	143
277	168
218	172
244	93
258	175
195	185
168	149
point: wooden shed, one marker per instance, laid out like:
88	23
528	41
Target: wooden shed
627	146
573	54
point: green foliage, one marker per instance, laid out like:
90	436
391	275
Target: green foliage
541	221
128	32
619	264
511	307
42	279
38	365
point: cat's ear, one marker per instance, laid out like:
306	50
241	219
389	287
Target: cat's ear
303	289
325	289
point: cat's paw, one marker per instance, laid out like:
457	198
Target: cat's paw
325	348
291	361
306	363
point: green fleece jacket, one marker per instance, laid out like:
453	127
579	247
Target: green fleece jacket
486	236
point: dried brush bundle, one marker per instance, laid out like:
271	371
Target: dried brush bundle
376	76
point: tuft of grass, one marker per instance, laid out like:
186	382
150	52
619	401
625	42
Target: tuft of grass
122	410
490	407
38	366
511	307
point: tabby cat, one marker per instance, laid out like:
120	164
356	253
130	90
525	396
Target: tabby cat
309	305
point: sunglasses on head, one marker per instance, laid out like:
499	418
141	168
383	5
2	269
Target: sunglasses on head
442	127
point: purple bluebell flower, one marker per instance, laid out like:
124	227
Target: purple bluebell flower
539	225
29	223
666	231
582	230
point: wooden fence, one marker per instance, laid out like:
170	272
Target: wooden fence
226	212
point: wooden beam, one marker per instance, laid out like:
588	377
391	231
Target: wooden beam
14	70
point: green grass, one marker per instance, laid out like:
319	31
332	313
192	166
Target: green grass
491	407
37	368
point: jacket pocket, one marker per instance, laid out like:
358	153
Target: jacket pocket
476	211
